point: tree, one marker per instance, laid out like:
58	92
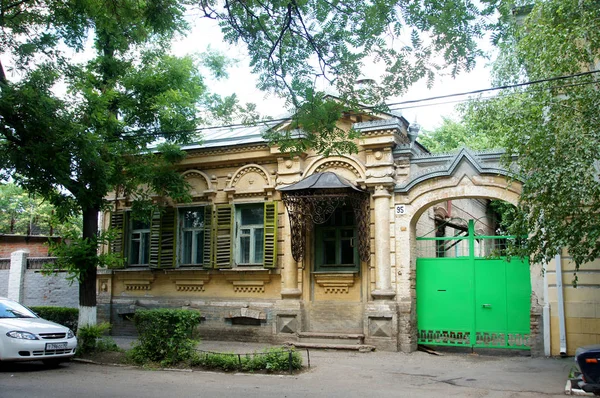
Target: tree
73	149
551	127
452	135
24	214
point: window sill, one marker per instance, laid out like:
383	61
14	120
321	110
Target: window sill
133	268
246	269
336	271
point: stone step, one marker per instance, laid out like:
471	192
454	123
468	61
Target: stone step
324	346
331	338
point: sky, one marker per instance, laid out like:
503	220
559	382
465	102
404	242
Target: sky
241	81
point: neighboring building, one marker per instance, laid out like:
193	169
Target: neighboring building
390	247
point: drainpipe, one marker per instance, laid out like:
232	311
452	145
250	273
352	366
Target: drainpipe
546	316
561	305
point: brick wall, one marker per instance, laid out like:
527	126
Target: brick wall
36	245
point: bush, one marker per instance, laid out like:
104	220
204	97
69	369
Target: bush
65	316
270	360
165	336
89	339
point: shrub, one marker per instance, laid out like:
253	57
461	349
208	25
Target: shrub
165	336
65	316
89	339
271	360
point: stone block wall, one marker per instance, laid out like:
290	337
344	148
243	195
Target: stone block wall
218	317
32	288
50	290
4	282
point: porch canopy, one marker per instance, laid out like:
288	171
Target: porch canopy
315	198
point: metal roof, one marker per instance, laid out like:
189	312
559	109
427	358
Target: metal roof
326	180
235	135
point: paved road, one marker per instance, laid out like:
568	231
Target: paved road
332	374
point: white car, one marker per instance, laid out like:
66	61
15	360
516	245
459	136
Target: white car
24	336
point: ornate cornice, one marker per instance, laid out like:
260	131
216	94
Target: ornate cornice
451	163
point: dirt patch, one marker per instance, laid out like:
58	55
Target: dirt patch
106	357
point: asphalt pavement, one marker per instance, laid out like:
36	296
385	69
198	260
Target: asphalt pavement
331	374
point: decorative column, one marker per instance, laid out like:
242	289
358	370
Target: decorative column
289	273
383	284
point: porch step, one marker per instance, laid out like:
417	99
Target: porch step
332	341
324	346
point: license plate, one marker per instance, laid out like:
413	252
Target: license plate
56	346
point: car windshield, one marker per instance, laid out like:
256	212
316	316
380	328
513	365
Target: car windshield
10	309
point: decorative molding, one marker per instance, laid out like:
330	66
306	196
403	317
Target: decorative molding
333	164
224	150
451	165
383	126
189	281
137	284
140	280
248	281
246	312
248	287
199	193
335	283
253	188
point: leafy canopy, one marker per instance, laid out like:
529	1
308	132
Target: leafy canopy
551	127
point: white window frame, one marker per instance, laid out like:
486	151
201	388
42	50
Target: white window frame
252	236
194	230
144	242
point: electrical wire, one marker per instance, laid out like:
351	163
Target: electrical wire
392	106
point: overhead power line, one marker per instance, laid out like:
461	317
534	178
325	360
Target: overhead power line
393	104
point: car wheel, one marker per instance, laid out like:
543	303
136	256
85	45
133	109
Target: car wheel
52	363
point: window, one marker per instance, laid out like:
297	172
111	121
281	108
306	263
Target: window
336	242
139	243
192	229
249	230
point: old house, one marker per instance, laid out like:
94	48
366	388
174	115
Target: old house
389	247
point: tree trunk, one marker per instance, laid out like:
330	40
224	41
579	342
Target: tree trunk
87	282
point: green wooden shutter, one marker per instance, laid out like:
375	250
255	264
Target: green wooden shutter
223	236
163	232
207	260
270	235
154	238
118	223
168	238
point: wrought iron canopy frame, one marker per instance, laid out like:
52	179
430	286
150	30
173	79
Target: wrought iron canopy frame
307	207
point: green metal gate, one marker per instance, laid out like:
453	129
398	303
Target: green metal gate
475	298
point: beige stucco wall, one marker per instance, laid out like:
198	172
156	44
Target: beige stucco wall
581	304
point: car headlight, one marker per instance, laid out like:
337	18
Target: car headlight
18	334
70	334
